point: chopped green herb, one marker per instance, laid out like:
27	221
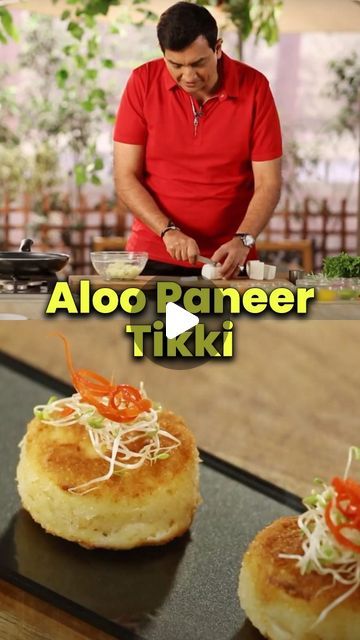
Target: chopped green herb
342	266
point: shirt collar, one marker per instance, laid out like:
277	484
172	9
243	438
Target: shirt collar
168	79
228	70
229	87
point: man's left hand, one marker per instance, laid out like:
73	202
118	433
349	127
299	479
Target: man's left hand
232	254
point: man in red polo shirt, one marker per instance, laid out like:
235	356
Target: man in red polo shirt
197	150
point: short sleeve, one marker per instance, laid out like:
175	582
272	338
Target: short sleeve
266	134
130	125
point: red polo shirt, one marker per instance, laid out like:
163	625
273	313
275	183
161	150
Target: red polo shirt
200	178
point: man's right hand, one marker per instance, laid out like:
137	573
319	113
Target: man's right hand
181	246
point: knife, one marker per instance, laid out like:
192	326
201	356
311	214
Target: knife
206	260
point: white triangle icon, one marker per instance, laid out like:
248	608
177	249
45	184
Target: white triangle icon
178	320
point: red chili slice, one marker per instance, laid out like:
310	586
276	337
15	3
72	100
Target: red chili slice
347	497
125	402
347	502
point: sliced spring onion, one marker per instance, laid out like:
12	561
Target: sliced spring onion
96	423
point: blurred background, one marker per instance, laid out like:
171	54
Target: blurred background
64	65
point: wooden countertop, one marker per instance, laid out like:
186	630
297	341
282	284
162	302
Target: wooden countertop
24	617
150	282
291	389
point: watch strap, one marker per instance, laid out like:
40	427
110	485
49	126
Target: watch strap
171	226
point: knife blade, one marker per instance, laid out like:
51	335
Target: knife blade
205	260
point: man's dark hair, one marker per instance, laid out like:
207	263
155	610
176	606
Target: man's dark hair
182	23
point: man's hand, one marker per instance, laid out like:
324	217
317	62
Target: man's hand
233	255
181	246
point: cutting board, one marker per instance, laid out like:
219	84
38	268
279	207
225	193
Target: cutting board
149	282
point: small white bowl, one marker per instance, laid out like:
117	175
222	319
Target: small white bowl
118	265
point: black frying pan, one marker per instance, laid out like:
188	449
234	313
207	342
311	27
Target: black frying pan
24	262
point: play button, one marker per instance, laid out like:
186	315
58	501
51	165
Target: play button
171	331
178	320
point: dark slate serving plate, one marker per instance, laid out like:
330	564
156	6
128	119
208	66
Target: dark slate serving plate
186	590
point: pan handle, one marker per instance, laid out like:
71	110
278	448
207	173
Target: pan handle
26	244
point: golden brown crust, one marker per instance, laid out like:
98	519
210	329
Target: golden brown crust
277	576
66	456
146	506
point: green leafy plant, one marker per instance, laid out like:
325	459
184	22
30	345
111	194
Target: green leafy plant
79	65
66	106
342	266
7	27
344	87
13	163
249	16
259	17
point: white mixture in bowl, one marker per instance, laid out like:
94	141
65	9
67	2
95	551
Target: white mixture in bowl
122	271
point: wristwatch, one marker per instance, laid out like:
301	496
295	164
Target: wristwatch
171	226
247	239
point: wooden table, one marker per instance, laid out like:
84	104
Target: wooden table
24	617
150	282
